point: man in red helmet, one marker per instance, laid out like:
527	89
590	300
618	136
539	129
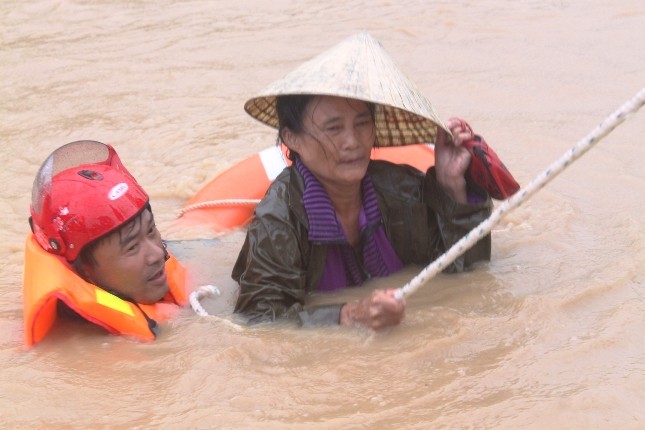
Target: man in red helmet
95	248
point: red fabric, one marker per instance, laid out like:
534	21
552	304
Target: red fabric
487	171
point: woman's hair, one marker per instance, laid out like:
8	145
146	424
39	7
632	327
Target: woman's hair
291	110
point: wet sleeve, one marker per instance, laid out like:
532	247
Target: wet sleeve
271	271
454	220
315	316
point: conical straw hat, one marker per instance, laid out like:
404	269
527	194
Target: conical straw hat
358	68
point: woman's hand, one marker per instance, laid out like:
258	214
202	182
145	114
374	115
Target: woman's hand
452	159
377	311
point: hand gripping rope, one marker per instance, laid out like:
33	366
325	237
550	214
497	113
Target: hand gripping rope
466	242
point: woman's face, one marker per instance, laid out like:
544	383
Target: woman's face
337	140
131	261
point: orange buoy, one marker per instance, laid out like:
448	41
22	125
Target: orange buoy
229	199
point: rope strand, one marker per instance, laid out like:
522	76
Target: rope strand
214	203
472	237
200	293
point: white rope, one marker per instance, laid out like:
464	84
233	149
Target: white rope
466	242
214	203
204	291
200	293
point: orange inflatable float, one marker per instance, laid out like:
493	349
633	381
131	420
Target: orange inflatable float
229	199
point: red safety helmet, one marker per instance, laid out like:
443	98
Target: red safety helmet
81	193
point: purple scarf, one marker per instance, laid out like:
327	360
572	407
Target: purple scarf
342	267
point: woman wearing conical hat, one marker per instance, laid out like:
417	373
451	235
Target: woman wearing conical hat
335	218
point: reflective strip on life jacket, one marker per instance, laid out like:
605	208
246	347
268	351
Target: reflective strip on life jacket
48	278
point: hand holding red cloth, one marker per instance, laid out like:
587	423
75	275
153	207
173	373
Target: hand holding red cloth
486	170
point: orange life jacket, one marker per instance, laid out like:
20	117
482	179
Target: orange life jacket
48	278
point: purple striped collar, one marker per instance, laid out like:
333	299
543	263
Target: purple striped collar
342	267
324	226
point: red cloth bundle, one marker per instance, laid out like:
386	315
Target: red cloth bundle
487	171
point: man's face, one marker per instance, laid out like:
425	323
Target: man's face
131	261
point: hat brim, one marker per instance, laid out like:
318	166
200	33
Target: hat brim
358	68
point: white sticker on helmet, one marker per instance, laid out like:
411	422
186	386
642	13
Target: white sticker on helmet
117	191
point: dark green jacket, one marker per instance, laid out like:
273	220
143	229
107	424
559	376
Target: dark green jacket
278	266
